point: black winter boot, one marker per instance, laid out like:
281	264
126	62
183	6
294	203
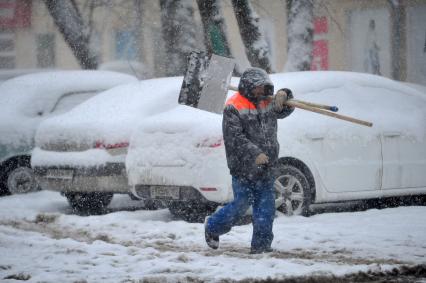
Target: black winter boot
212	241
261	251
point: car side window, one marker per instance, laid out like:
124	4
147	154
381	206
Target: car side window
70	100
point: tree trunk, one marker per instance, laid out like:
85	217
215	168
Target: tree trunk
214	28
68	19
178	28
257	49
300	35
398	18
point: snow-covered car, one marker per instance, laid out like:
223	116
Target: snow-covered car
82	152
7	74
26	101
179	155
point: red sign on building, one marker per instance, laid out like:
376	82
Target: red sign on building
320	46
15	14
320	25
320	55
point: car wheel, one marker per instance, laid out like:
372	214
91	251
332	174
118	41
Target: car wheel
21	180
191	211
293	192
89	203
3	189
150	204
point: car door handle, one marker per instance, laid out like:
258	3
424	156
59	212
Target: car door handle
315	137
391	134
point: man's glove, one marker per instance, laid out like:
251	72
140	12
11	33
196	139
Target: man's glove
281	98
262	159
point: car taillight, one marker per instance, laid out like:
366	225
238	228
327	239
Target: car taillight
210	143
100	144
208	189
217	144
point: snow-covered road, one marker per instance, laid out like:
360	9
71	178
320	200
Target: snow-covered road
42	241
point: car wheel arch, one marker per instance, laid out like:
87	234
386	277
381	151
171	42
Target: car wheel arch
9	165
299	164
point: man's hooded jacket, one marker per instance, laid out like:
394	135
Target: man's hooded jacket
250	127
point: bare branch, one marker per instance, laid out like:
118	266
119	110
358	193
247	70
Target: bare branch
68	19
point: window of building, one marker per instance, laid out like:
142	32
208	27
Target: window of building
15	14
369	44
416	44
126	45
7	50
45	50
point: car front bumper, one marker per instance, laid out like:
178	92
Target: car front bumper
106	178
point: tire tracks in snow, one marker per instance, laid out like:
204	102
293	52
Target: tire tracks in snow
47	225
404	274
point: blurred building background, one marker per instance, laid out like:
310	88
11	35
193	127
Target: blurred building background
385	37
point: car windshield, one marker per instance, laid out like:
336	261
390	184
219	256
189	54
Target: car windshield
72	99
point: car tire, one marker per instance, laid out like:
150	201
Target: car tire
3	189
150	204
191	211
423	200
89	203
293	191
20	179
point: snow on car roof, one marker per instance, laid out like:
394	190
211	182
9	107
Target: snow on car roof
34	93
315	81
388	104
112	115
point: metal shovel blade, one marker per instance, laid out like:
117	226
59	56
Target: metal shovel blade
215	84
205	83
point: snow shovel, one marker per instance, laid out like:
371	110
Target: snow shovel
206	84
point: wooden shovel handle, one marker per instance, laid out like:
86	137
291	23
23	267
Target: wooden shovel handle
303	106
321	106
320	109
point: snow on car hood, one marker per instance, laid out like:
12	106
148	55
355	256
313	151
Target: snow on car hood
110	116
361	96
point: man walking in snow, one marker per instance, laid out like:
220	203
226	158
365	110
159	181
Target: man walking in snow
250	136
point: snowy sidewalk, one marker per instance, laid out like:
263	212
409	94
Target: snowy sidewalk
40	240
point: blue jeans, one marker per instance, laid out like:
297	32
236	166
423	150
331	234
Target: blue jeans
261	196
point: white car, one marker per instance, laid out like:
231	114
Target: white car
179	155
82	152
26	101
